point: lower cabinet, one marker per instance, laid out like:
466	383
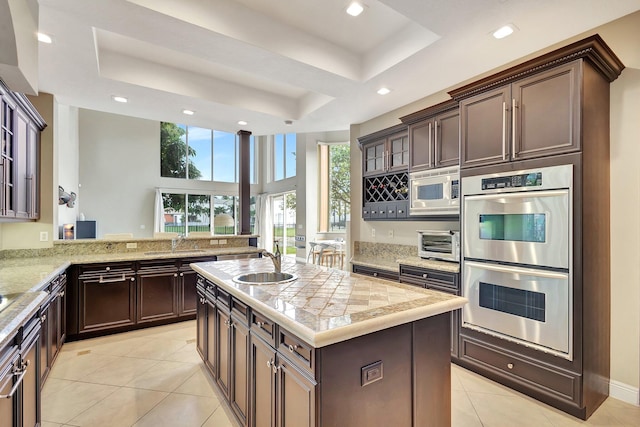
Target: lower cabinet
20	398
53	324
157	292
375	272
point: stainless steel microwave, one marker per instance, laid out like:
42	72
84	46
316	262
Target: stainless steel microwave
435	192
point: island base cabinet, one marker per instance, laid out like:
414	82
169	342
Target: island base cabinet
201	325
297	394
239	392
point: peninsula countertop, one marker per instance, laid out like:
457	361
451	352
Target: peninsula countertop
325	306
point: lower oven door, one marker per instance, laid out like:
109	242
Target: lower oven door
528	306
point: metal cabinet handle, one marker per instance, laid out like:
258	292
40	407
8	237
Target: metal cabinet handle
175	274
431	162
181	274
108	269
435	144
425	275
61	294
375	274
510	365
275	368
117	279
43	318
23	371
514	106
269	363
400	211
292	348
260	324
504	130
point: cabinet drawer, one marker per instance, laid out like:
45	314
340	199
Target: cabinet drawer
264	327
429	278
223	297
102	269
241	310
297	351
524	372
370	271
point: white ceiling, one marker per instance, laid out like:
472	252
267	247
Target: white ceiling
267	61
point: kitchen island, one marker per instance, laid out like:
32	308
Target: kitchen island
328	349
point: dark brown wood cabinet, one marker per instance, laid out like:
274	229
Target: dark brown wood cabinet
53	324
201	319
20	396
533	117
440	281
107	297
434	136
157	291
549	111
375	272
20	127
239	368
187	298
262	385
385	151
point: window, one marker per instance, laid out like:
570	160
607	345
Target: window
335	187
284	221
192	152
184	213
284	156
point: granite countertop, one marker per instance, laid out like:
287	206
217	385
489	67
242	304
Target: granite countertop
23	278
393	263
326	306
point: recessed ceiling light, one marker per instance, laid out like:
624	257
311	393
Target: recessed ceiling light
120	99
188	112
383	91
242	123
288	122
42	37
503	32
355	8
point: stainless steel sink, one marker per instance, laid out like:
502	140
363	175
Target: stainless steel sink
180	251
265	278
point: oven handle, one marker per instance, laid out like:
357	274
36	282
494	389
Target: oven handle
517	270
514	197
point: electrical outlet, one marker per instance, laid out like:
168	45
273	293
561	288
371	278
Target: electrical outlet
213	242
373	232
44	236
390	234
132	245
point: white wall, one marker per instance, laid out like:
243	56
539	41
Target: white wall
67	162
622	36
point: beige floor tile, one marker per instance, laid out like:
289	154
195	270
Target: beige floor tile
187	354
165	376
120	409
55	385
180	410
624	412
62	407
456	384
222	417
199	384
48	424
496	410
183	334
121	371
153	348
77	366
463	414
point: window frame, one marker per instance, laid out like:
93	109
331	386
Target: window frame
274	157
324	187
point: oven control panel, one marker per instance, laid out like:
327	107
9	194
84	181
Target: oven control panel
533	179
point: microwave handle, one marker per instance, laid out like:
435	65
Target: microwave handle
505	198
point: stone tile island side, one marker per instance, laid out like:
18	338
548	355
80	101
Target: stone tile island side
349	350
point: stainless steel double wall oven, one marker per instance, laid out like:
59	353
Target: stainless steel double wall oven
517	256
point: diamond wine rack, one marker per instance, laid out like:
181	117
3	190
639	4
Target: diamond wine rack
386	188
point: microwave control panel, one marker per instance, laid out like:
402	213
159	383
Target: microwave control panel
455	189
510	181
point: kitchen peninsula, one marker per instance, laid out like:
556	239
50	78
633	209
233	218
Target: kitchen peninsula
327	349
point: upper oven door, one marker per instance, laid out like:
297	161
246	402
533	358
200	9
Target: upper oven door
530	227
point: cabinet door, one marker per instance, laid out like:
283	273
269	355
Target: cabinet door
157	295
262	391
45	341
31	382
421	145
201	325
398	147
223	323
446	139
485	128
20	182
7	165
107	302
296	397
33	172
547	113
239	393
62	314
187	293
212	335
374	158
8	402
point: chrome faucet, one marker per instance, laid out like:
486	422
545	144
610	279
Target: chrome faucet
275	257
176	241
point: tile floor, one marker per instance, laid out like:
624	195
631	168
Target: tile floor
154	377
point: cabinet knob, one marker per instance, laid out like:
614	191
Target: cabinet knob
61	294
510	365
108	268
43	318
181	274
133	279
373	212
375	274
425	275
260	324
293	347
175	274
275	368
400	211
269	363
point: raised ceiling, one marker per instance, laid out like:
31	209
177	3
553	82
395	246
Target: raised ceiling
267	61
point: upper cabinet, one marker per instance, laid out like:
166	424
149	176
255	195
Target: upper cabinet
434	136
20	127
535	109
533	117
385	151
